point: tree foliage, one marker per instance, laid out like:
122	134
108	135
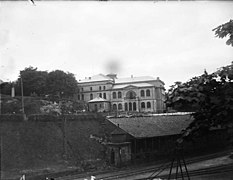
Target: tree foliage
34	81
212	97
40	83
5	88
61	84
225	30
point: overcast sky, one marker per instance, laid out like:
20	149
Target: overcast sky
172	40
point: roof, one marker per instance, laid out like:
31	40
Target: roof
143	127
98	77
98	99
118	131
121	86
134	79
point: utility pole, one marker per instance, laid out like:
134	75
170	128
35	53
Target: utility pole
0	157
21	83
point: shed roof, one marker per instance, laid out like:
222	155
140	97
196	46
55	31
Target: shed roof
98	99
143	127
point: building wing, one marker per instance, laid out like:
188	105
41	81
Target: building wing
95	78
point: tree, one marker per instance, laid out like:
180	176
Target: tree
34	81
212	95
5	88
225	30
62	84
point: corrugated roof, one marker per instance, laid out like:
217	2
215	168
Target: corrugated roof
98	99
134	79
120	86
98	77
142	127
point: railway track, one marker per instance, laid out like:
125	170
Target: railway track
156	168
193	173
199	172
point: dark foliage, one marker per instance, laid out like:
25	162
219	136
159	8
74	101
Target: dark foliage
225	30
212	97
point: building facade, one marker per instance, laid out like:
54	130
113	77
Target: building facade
136	94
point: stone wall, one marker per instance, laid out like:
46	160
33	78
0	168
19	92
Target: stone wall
49	143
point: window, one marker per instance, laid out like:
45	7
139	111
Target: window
82	96
114	107
120	106
100	95
82	89
114	95
78	97
148	104
104	87
100	88
134	106
119	94
96	108
142	93
147	92
90	88
142	105
131	95
104	95
126	107
130	106
91	96
100	105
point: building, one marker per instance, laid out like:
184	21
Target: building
135	94
142	139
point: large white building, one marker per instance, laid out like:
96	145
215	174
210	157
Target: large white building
109	93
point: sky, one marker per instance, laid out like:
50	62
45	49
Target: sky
170	40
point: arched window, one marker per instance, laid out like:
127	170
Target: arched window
142	93
114	95
148	105
130	106
126	107
100	88
114	107
147	92
100	95
142	105
119	94
104	95
91	96
134	106
90	88
104	87
120	106
131	95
